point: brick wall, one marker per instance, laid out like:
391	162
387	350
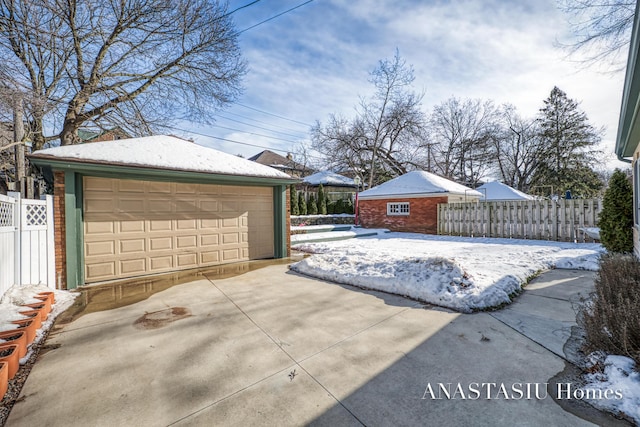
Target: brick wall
422	218
59	228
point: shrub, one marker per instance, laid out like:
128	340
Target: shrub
293	199
312	207
302	204
339	209
616	218
322	201
331	207
612	318
348	207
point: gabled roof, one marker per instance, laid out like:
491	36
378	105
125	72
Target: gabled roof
497	191
417	184
269	158
327	178
158	152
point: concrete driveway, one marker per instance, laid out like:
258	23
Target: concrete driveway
270	347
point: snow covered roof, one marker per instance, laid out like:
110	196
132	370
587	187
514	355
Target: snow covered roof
497	191
328	178
160	152
417	184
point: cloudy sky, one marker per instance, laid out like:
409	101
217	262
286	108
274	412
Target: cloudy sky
315	60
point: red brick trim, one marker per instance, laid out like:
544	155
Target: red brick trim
60	240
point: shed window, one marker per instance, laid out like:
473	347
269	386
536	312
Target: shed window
398	208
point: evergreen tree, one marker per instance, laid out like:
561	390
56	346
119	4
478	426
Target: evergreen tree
322	201
616	218
569	154
293	199
302	204
312	206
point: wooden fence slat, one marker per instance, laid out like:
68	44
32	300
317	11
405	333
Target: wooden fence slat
531	219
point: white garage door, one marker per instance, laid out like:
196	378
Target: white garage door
132	228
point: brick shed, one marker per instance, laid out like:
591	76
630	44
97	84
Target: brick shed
410	202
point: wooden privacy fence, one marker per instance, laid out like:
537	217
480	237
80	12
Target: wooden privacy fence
562	220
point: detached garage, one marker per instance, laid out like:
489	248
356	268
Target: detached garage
150	205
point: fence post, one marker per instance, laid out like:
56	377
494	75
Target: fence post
17	218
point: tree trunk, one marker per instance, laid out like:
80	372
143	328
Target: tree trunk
18	136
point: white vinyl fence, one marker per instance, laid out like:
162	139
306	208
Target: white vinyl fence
562	220
27	254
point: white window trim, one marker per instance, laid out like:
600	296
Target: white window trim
398	209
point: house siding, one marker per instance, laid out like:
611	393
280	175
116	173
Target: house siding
422	218
59	229
636	197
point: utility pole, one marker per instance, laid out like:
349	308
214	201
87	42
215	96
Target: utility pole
18	136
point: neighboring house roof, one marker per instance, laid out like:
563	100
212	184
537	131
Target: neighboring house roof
159	152
269	158
629	125
87	135
497	191
417	184
327	178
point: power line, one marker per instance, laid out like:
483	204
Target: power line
274	115
255	134
264	123
258	127
275	16
238	142
241	7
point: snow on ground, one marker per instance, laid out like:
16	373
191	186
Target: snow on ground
464	274
617	389
16	296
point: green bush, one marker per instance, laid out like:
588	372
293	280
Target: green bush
322	201
331	207
612	318
348	207
302	204
616	218
312	206
293	199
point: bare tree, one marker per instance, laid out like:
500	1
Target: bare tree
601	29
518	149
377	142
136	64
463	134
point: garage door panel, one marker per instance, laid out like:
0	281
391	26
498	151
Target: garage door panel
159	206
100	227
132	246
129	186
186	224
131	206
133	266
209	257
161	263
187	260
184	242
142	227
160	225
98	205
100	270
136	226
209	240
100	248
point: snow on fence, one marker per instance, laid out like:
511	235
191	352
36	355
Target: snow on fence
27	254
562	220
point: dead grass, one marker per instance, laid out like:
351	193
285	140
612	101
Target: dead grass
612	318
